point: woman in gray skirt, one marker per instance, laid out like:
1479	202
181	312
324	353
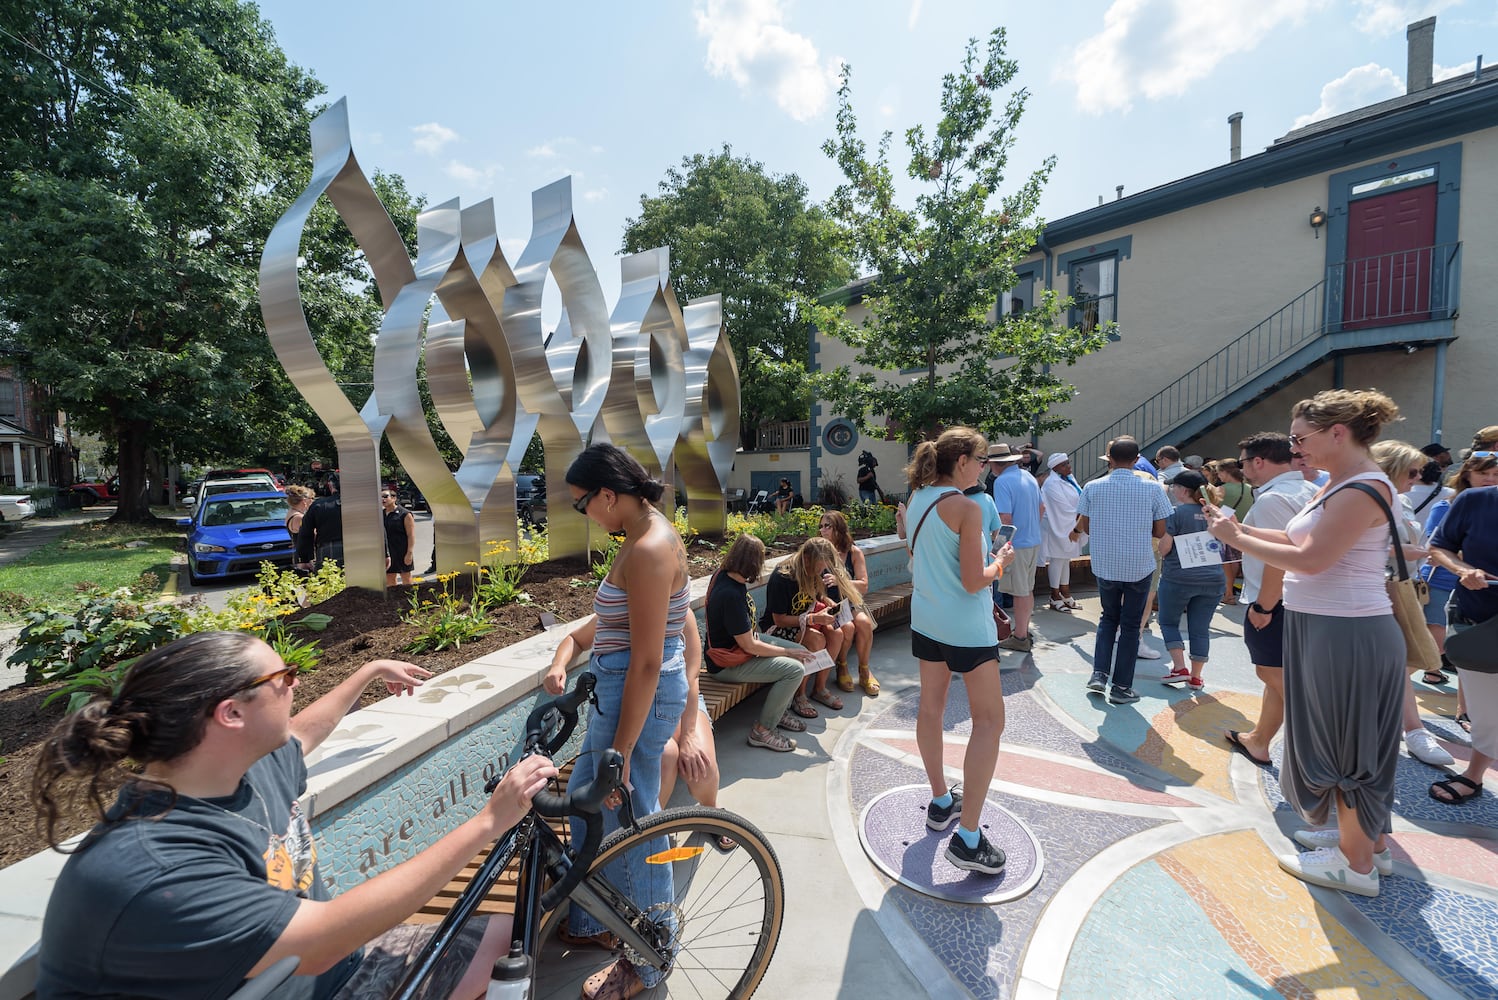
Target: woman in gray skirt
1344	652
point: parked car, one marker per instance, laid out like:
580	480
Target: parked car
233	533
277	481
16	507
530	498
239	484
97	491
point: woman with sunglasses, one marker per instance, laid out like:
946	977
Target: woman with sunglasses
1479	469
400	540
1344	652
204	872
641	646
860	632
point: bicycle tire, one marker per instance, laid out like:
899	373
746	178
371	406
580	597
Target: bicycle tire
709	961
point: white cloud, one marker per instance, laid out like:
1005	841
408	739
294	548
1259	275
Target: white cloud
748	43
1357	88
597	194
545	151
1158	48
1389	17
431	137
915	14
1439	72
469	174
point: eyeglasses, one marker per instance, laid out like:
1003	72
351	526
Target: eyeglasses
1296	440
287	672
387	496
581	503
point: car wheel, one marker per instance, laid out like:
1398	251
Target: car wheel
192	577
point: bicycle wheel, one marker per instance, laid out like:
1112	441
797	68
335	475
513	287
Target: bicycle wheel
728	908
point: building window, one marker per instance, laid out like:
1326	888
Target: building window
7	399
1094	292
1020	298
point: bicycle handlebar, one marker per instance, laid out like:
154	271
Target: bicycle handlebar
586	803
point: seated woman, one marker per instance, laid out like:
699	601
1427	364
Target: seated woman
859	633
736	654
783	496
799	609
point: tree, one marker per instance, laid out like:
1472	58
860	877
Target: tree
149	146
941	267
734	229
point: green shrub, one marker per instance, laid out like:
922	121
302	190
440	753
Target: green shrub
876	518
443	621
86	685
499	580
105	629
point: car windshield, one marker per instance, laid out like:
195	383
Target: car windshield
237	486
222	512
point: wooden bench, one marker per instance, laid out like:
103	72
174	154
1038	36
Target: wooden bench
887	607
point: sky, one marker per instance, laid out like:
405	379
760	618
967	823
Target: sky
476	100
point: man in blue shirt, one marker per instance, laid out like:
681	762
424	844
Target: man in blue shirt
1016	495
1123	513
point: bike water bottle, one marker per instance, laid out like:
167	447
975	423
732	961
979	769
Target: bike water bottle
511	977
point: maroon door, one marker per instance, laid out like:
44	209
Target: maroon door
1390	239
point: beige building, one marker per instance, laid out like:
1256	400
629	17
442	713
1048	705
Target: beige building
1333	258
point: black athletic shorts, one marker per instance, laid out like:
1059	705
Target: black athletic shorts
1266	646
959	659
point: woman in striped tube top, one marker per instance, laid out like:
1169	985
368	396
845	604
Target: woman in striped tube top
641	652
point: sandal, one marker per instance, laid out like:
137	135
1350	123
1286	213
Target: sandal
1465	721
1229	600
843	680
1454	797
769	739
1070	602
791	723
1435	678
606	940
618	981
867	682
802	707
826	697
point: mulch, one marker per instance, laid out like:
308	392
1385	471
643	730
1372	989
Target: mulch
365	626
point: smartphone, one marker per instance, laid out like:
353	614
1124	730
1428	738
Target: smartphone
1205	493
1006	534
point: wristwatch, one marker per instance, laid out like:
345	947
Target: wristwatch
1264	611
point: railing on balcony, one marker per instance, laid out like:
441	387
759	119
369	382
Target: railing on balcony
1389	289
787	436
1407	286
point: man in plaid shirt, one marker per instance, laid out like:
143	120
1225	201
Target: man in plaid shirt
1123	513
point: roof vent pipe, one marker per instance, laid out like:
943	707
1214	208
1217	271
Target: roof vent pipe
1421	37
1477	73
1119	196
1235	136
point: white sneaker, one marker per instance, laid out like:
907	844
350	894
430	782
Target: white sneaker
1148	653
1329	867
1423	747
1330	837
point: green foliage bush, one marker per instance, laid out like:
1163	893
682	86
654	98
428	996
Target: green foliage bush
444	621
103	630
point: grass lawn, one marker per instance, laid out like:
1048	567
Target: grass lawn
92	552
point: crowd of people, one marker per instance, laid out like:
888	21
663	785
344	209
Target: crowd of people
222	881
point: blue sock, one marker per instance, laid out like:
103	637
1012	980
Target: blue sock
944	801
969	837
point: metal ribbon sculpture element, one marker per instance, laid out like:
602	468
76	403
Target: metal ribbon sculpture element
657	381
710	424
336	173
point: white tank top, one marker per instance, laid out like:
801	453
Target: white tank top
1354	585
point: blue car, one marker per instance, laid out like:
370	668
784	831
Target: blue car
233	533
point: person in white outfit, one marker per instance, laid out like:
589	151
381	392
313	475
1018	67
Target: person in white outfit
1060	494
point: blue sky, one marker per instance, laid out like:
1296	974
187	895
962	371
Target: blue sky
476	100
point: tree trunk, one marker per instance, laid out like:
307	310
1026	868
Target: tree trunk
134	505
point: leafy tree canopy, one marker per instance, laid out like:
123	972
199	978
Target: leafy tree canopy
734	229
940	269
148	147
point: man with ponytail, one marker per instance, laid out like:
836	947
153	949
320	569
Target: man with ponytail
203	873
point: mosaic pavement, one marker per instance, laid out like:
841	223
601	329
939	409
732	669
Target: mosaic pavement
1159	877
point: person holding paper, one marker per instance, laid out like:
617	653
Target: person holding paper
1190	579
798	608
859	630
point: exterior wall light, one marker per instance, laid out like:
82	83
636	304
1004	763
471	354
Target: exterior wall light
1318	219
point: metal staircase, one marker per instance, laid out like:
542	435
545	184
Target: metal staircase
1380	303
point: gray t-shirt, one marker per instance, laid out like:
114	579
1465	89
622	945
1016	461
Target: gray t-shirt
1187	519
181	907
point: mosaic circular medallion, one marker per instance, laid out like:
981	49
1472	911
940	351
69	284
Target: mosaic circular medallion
895	837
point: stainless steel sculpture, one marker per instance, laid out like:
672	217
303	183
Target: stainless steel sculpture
654	379
710	425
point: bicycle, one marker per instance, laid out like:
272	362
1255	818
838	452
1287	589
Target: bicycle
714	939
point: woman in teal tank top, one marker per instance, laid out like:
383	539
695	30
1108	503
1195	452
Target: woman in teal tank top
952	631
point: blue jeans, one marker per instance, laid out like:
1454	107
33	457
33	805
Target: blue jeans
868	496
645	884
1198	602
1123	609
